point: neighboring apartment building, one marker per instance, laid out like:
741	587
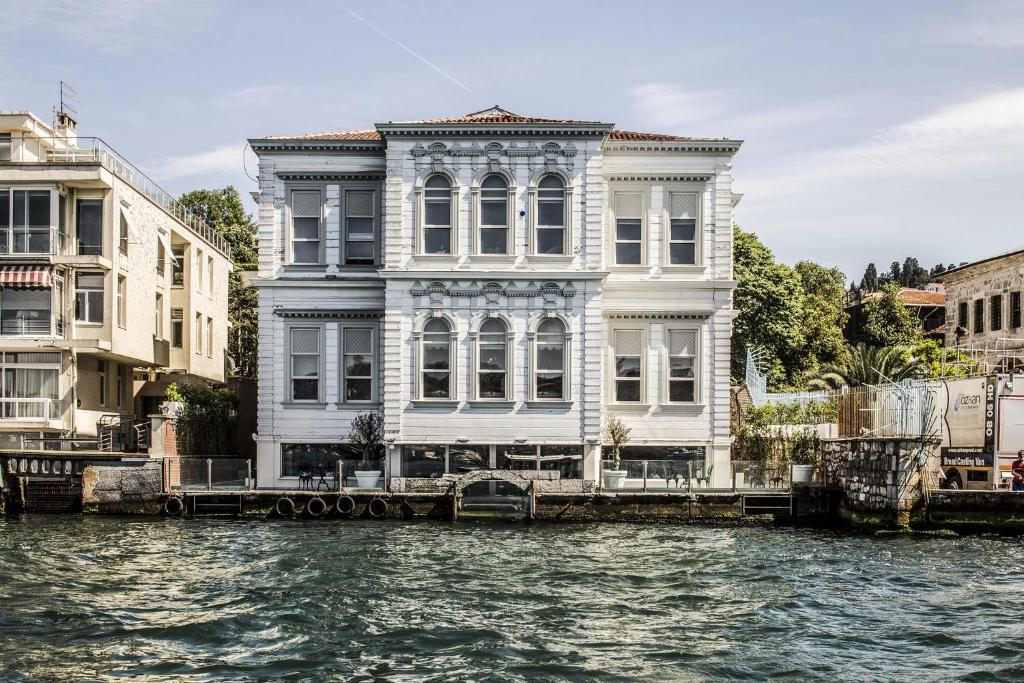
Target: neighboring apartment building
983	309
106	286
498	286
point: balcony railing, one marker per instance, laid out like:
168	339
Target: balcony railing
95	150
32	327
30	409
29	241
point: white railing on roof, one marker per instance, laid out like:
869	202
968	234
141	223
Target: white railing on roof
95	150
757	385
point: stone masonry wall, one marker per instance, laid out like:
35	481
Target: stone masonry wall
881	477
122	488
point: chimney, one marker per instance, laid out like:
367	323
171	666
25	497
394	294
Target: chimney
65	127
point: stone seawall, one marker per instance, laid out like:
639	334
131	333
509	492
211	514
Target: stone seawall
882	480
123	488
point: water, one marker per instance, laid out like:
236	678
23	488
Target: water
107	598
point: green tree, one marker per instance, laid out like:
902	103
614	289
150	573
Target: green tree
869	282
887	322
770	299
222	210
824	313
208	419
863	364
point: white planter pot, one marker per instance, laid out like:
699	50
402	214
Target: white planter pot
367	479
802	473
613	479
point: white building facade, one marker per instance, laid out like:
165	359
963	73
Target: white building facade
497	286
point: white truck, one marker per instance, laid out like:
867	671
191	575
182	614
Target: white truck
982	424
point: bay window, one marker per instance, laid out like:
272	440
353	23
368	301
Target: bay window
549	357
628	352
437	215
307	211
493	223
629	228
492	360
681	367
304	364
682	228
360	219
436	361
550	228
357	364
25	310
31	385
25	221
89	297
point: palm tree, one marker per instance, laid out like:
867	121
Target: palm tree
863	364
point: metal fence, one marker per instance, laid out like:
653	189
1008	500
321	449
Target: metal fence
903	409
757	385
750	474
207	474
660	475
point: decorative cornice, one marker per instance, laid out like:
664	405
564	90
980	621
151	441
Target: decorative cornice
335	146
658	315
492	289
699	178
326	313
719	146
369	175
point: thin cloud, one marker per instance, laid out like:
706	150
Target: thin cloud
993	24
223	159
985	131
410	51
253	96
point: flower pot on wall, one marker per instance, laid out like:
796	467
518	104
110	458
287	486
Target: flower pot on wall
802	473
613	479
367	479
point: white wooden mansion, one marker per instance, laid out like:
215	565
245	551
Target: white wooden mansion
498	286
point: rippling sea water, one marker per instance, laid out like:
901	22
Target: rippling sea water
99	598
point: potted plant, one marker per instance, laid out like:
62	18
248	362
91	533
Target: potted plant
616	435
367	434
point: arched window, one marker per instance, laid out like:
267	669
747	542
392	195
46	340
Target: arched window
437	215
492	360
549	354
550	238
493	215
436	363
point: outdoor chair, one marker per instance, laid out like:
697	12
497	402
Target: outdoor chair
704	477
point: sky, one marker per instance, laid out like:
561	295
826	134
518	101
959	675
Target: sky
872	130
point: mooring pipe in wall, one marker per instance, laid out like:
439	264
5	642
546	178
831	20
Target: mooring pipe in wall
284	507
316	507
345	505
173	506
378	507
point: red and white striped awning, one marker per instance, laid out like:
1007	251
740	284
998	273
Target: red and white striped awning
26	276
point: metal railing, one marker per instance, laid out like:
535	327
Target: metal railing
32	327
902	409
750	474
207	474
95	150
30	409
39	240
659	475
757	385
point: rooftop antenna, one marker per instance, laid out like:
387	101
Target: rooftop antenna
68	95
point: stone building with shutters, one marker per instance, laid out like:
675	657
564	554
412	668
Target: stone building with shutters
497	286
109	290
